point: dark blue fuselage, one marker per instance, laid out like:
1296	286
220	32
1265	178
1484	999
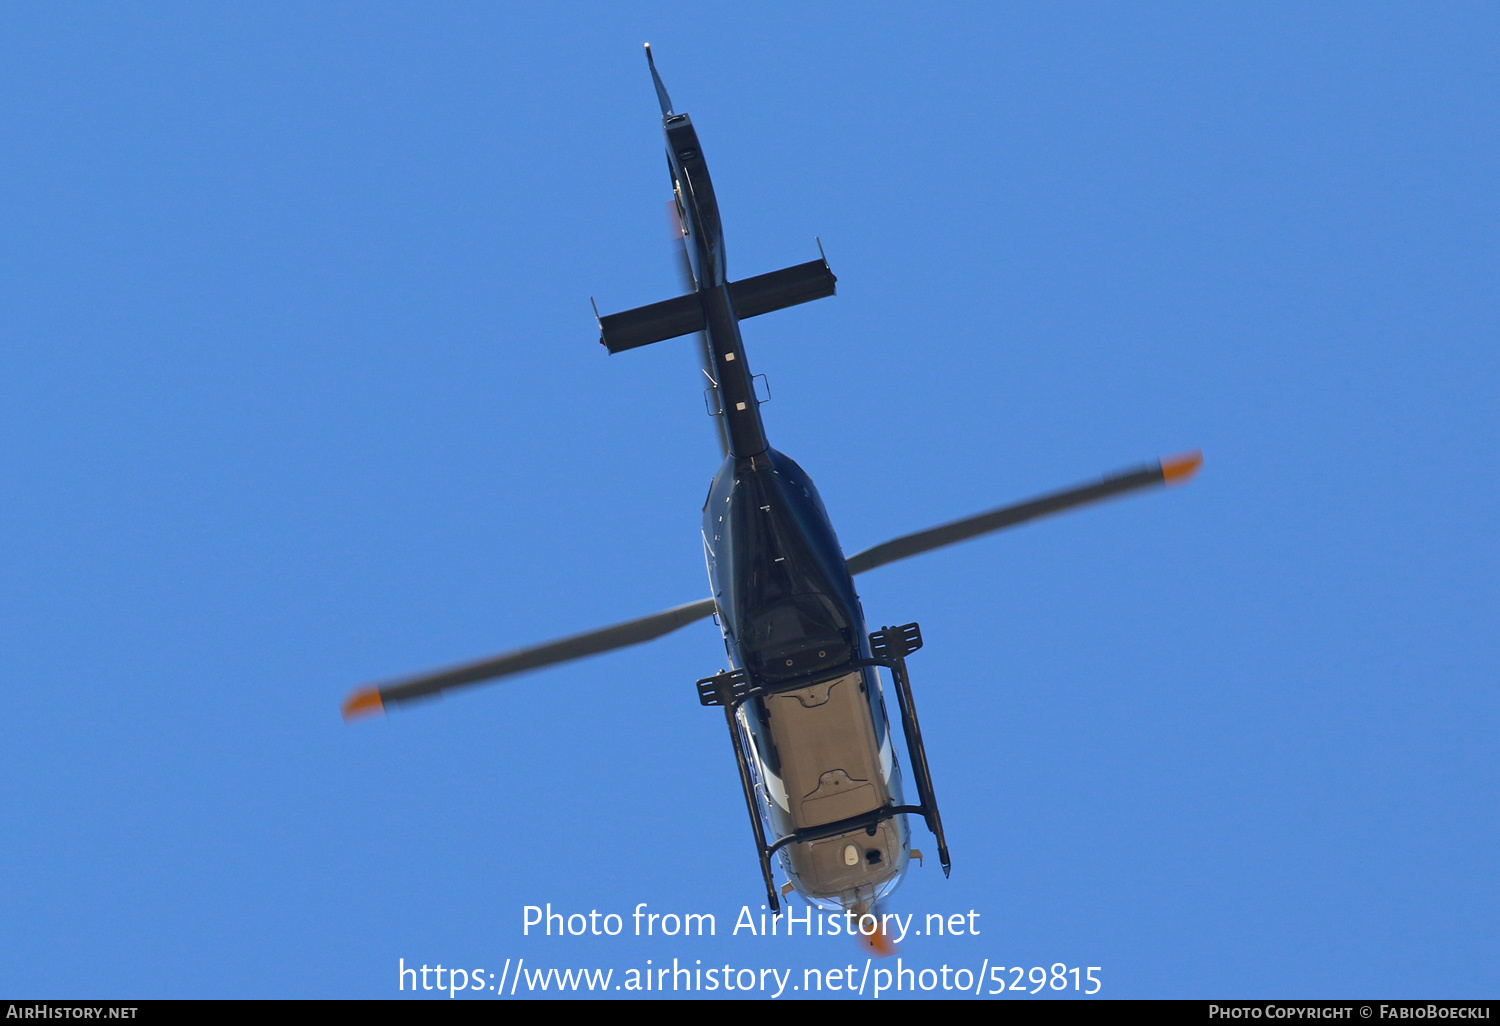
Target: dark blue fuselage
787	607
777	569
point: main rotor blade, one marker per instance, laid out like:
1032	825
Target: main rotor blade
374	699
1174	468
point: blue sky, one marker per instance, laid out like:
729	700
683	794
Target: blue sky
303	391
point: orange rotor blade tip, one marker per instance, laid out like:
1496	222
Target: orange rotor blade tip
1180	468
879	943
364	702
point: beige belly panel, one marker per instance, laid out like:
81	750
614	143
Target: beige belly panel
825	872
830	764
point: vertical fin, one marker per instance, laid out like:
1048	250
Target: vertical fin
661	90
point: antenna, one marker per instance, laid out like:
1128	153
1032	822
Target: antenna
661	90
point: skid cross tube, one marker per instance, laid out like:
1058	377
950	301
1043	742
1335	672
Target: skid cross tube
869	820
889	647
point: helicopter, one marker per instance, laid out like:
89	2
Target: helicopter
804	697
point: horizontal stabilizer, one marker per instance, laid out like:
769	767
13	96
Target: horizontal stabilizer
647	324
801	283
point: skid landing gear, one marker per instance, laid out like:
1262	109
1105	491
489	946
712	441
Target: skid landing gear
889	647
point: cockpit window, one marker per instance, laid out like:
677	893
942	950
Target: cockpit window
799	635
